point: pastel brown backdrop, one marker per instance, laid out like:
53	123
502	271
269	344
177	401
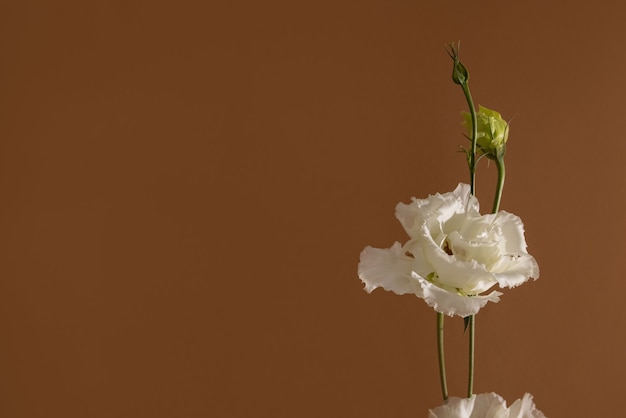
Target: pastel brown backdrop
186	187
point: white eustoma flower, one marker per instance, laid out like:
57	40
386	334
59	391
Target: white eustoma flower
486	405
454	254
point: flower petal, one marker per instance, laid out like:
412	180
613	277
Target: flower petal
512	229
516	270
486	405
453	256
468	276
452	303
525	408
489	405
389	269
435	207
454	408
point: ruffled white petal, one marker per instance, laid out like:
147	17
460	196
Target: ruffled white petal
452	303
466	250
389	269
525	408
486	405
512	230
419	265
463	194
435	207
454	254
512	271
468	276
454	408
489	405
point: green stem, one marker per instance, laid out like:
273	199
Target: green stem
472	329
472	155
500	185
472	168
442	362
460	76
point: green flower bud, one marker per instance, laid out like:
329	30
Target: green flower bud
492	132
460	75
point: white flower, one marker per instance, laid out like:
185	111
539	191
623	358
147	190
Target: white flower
454	254
486	405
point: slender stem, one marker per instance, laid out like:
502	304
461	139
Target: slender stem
500	185
442	362
472	168
472	156
460	76
472	329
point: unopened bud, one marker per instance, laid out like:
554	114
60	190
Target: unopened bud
492	131
460	75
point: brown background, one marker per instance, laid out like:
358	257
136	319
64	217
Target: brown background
186	188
